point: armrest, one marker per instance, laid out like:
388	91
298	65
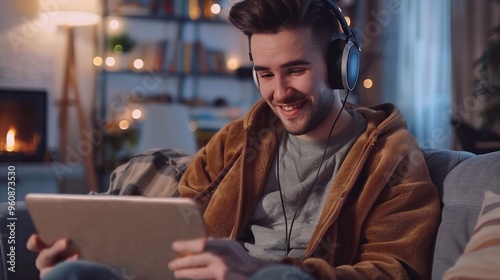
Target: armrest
16	261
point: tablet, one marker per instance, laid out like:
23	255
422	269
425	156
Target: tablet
131	234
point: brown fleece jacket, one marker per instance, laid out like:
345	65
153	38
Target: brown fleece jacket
382	211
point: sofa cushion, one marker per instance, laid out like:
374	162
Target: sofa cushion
463	192
440	162
480	259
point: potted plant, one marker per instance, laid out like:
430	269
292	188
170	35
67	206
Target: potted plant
121	45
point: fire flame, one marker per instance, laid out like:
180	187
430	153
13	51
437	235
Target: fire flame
10	140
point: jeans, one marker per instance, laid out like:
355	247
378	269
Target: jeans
281	272
79	270
83	270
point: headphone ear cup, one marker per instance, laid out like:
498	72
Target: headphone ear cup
255	78
343	64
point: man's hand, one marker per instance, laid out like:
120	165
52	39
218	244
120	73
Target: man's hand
50	255
213	259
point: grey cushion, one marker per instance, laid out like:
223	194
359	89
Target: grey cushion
463	193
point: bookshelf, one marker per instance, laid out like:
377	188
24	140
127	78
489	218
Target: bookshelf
174	48
184	50
179	49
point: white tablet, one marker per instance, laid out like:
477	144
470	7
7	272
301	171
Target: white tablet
131	234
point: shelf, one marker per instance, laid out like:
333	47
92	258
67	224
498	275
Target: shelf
168	73
196	11
172	18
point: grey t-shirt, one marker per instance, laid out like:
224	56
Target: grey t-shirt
299	161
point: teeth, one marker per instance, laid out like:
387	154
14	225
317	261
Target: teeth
290	108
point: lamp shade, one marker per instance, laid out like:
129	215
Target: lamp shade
75	12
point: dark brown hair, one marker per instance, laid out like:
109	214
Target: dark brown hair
272	16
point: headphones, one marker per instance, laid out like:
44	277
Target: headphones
343	55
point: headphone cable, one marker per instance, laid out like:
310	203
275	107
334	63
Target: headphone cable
288	233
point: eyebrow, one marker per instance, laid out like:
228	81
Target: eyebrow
292	63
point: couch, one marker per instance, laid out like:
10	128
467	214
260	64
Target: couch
462	179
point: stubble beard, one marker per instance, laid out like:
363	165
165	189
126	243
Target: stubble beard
318	115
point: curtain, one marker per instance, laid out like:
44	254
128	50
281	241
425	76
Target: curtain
417	68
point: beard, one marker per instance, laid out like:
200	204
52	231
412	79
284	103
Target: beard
319	114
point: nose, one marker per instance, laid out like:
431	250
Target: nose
282	90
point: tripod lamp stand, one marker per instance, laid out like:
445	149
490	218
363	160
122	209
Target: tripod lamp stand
73	14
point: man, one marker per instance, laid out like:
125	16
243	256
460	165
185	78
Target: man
301	181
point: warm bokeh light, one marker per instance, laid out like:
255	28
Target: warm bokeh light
97	61
123	124
114	24
215	9
10	140
110	61
232	64
368	83
194	10
138	63
348	20
136	114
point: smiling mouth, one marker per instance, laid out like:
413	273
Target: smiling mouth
292	107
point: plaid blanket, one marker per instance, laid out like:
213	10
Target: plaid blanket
154	173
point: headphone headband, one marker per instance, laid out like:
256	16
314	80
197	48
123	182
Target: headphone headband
343	23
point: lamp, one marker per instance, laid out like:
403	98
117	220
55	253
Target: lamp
69	15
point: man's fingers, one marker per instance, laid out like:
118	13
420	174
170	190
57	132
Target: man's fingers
192	261
186	247
35	243
200	266
59	251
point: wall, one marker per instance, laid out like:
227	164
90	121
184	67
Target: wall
32	51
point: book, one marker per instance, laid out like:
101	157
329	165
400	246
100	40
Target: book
216	61
187	57
168	7
200	63
177	61
152	54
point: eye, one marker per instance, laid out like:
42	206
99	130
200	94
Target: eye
296	71
265	75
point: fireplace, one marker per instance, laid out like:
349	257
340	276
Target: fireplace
22	125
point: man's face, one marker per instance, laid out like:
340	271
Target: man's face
293	78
